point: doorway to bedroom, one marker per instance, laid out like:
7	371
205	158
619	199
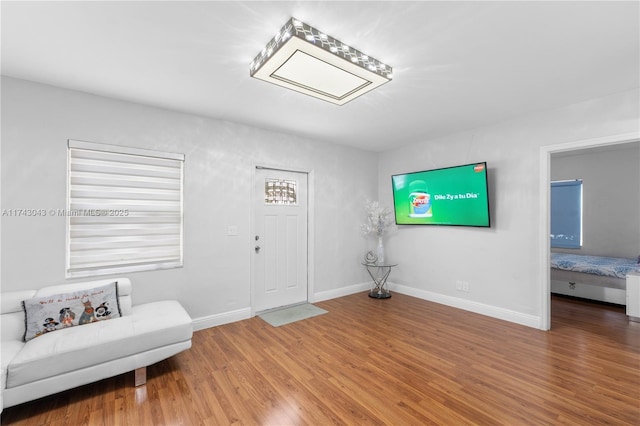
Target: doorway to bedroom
609	169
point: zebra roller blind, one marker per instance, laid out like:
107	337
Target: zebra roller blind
124	209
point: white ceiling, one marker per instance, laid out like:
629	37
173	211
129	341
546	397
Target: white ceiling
457	65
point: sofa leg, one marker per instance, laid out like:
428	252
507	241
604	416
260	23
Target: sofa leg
141	376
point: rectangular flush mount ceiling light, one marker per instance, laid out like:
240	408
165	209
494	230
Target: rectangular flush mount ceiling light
306	60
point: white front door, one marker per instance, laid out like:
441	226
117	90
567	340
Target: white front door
280	240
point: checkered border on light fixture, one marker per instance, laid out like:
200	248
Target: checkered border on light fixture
297	28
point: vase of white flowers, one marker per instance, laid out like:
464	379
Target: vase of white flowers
379	222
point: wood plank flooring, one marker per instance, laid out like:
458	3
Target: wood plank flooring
400	361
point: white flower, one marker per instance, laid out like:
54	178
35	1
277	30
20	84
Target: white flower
379	219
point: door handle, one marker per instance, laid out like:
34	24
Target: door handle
257	249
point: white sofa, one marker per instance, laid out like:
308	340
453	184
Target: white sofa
71	357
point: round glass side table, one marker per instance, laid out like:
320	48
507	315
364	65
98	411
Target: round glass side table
379	274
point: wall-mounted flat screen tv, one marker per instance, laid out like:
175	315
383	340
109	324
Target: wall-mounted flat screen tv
455	196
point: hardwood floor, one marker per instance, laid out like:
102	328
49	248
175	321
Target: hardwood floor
400	361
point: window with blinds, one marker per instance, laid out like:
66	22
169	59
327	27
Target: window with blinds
124	210
566	213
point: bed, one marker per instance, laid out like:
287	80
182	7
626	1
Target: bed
591	277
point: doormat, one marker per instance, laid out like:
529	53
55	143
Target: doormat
291	314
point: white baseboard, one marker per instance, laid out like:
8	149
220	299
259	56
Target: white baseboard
468	305
242	314
343	291
220	319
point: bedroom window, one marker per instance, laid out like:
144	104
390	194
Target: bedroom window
124	209
566	213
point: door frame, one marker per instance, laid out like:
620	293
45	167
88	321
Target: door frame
545	214
310	227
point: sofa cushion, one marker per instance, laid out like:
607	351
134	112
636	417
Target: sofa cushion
13	315
59	311
11	301
8	350
150	326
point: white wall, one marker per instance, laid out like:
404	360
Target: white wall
37	120
502	264
611	198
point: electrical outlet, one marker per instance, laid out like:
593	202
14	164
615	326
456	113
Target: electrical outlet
459	285
465	286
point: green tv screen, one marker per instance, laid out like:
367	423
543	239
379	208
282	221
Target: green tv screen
456	196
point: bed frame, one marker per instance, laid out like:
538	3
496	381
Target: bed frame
589	286
592	277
